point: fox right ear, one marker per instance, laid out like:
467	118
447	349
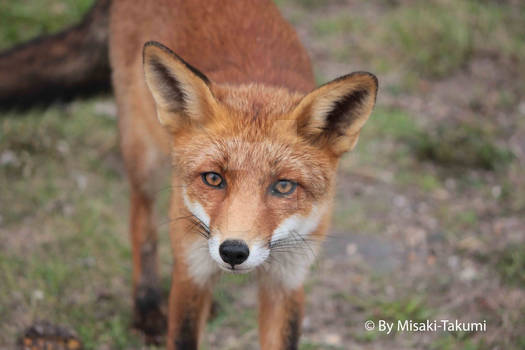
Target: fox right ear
333	114
181	92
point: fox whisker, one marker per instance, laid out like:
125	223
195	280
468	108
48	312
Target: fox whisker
199	227
293	244
195	225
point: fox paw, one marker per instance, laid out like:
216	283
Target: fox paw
148	316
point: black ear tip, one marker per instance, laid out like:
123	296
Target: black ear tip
153	43
156	44
173	55
367	75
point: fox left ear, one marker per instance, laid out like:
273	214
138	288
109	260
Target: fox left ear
333	114
181	92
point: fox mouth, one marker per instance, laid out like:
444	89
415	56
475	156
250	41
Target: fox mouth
235	270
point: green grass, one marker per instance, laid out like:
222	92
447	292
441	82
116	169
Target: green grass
23	20
339	25
465	145
436	39
64	184
308	4
385	125
392	123
430	39
318	346
457	342
511	265
42	146
412	308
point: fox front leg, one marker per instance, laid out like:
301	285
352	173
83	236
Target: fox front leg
189	307
280	317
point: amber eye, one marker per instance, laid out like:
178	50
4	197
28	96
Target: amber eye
213	180
283	187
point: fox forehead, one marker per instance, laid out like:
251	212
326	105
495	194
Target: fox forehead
255	111
256	99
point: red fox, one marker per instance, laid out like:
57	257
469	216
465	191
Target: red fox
226	90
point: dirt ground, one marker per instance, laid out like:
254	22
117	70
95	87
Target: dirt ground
429	221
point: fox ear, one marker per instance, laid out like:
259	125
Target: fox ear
333	114
180	91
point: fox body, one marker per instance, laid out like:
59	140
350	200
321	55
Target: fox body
224	91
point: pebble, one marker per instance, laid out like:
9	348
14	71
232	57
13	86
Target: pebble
333	339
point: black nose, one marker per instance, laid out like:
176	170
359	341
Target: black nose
234	252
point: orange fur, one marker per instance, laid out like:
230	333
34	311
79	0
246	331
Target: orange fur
246	115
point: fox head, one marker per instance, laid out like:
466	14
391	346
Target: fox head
255	165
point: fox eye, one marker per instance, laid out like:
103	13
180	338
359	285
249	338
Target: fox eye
283	187
213	180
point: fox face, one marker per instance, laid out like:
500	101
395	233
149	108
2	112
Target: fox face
254	166
254	190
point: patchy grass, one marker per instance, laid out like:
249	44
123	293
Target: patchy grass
458	341
412	308
309	4
338	25
23	20
69	262
318	346
386	125
391	123
430	39
465	145
435	41
39	149
511	265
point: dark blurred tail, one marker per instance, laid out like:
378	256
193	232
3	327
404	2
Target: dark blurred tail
72	63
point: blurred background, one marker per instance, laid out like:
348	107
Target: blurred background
430	215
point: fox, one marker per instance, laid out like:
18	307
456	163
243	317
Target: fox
223	92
